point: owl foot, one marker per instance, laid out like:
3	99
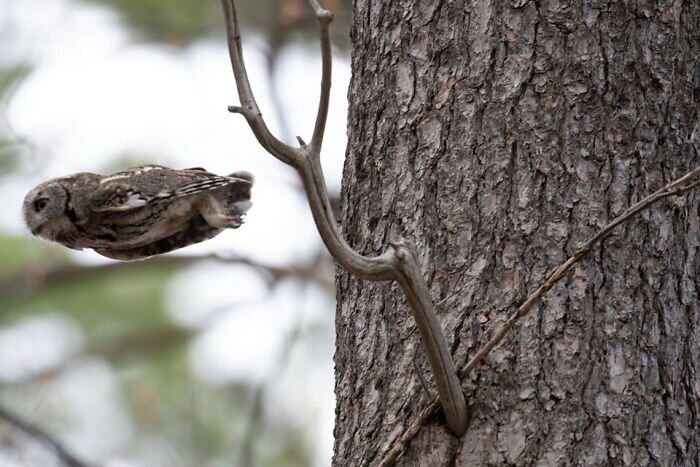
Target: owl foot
224	214
222	221
230	218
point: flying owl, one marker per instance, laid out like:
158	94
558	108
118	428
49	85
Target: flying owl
140	212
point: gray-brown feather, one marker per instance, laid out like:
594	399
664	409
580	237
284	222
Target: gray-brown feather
197	230
136	213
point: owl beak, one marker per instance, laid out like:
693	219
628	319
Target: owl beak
42	231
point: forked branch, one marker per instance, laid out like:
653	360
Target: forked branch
397	263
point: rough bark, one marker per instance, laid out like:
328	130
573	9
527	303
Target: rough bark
498	136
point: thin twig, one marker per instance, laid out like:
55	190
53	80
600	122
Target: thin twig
37	434
324	20
249	107
677	187
397	263
397	448
42	274
422	380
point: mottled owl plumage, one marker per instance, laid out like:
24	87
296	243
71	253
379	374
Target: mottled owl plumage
140	212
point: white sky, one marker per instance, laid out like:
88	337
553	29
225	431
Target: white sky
94	95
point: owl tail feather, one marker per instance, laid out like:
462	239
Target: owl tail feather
243	175
241	207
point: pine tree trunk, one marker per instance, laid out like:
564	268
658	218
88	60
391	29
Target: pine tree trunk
498	136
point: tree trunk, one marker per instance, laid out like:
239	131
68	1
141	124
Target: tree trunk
499	136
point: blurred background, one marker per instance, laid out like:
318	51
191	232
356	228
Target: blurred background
219	354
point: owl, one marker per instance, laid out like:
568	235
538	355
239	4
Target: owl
140	212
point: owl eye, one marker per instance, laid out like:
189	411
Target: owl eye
41	204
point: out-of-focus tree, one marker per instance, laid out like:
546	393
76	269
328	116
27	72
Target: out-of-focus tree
112	321
182	21
10	77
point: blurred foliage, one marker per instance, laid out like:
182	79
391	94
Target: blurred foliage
204	423
171	21
108	306
10	77
121	312
9	156
179	22
120	308
18	254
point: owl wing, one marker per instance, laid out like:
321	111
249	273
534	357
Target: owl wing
123	192
116	198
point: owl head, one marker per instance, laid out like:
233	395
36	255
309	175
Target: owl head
45	210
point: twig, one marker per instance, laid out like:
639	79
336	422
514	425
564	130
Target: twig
324	20
42	274
249	107
677	187
397	263
35	433
411	431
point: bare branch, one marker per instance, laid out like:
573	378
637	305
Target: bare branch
324	20
39	435
409	433
42	274
677	187
397	263
249	108
418	295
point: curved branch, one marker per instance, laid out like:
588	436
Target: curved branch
416	290
380	267
397	263
249	108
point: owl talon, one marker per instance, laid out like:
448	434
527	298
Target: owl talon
220	220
